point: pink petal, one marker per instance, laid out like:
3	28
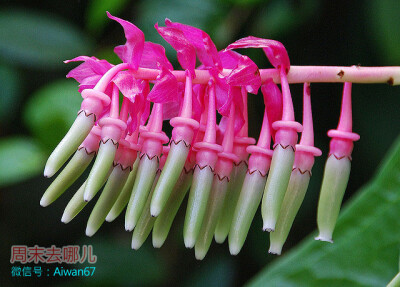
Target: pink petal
274	50
185	51
246	73
273	103
154	54
165	89
229	58
132	51
130	87
89	72
171	110
205	48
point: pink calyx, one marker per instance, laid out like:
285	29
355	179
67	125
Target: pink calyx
154	137
207	150
185	125
91	142
341	144
287	128
305	150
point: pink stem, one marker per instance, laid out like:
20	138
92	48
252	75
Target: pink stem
186	111
227	142
210	133
156	118
244	131
307	136
297	74
114	110
107	77
124	110
264	141
346	121
287	105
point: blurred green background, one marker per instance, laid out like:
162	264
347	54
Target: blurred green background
37	106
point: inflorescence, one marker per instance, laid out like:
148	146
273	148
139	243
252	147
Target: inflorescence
228	173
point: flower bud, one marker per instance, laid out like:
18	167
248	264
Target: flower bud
164	220
125	194
109	195
71	141
77	203
77	165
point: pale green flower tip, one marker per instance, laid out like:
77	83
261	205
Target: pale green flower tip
129	225
158	241
111	216
200	252
324	236
90	230
155	210
66	217
189	241
136	243
49	171
89	194
220	237
269	225
234	247
45	201
275	248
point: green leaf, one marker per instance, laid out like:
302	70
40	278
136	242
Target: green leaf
365	251
96	18
51	111
9	92
20	159
384	20
39	40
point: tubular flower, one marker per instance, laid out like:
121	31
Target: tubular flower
225	173
299	179
254	182
337	169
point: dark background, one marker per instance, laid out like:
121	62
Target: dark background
38	105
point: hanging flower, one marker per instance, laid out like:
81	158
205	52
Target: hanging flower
225	173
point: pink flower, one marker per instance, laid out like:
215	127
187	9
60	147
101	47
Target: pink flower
227	173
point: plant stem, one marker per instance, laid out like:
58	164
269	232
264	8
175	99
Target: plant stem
299	74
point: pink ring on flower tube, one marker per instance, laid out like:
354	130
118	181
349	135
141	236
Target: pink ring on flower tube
112	128
287	125
210	146
96	130
111	121
343	135
181	121
309	149
256	149
90	93
229	156
244	140
162	137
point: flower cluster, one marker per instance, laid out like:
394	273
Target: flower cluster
228	173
